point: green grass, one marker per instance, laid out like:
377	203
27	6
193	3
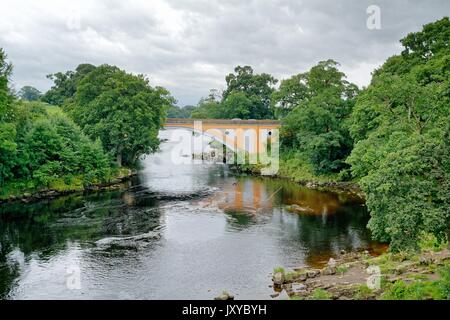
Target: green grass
278	269
417	290
52	110
298	169
342	269
321	294
363	292
429	242
65	183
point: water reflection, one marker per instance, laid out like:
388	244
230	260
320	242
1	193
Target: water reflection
218	232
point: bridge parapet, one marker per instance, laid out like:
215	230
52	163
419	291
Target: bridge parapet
233	122
252	137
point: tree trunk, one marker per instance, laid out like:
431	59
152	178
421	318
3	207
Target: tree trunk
119	159
119	155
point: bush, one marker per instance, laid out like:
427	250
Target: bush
445	282
321	294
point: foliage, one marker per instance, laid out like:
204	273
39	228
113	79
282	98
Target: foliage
55	147
29	93
252	91
247	96
401	126
429	242
317	125
295	165
41	147
417	290
65	84
120	109
321	294
179	112
289	94
208	108
5	94
444	283
279	270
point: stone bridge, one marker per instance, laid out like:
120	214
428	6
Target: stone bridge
251	136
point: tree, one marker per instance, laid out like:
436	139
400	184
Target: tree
290	94
179	112
7	127
54	147
401	125
208	108
5	94
122	110
65	84
29	93
257	88
317	126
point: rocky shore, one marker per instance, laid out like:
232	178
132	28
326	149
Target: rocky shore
359	276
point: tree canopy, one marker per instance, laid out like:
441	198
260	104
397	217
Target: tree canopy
29	93
401	126
65	84
321	102
120	109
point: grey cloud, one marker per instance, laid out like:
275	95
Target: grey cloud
189	46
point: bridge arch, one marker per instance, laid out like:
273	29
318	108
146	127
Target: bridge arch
231	133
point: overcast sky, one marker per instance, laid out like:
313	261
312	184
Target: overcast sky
188	46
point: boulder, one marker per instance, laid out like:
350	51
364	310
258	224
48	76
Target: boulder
278	278
312	273
224	296
331	263
328	271
298	287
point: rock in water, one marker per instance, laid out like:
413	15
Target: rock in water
224	296
128	242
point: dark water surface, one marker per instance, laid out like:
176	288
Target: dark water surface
217	232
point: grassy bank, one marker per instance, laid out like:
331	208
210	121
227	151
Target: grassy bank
296	168
299	170
24	189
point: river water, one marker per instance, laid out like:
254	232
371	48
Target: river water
175	232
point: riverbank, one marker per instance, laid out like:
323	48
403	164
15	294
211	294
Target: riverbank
359	276
298	171
21	191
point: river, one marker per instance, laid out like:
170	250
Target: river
217	231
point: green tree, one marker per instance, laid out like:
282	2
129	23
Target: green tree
54	147
122	110
318	124
7	114
401	128
290	94
29	93
5	94
257	89
208	108
65	84
179	112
